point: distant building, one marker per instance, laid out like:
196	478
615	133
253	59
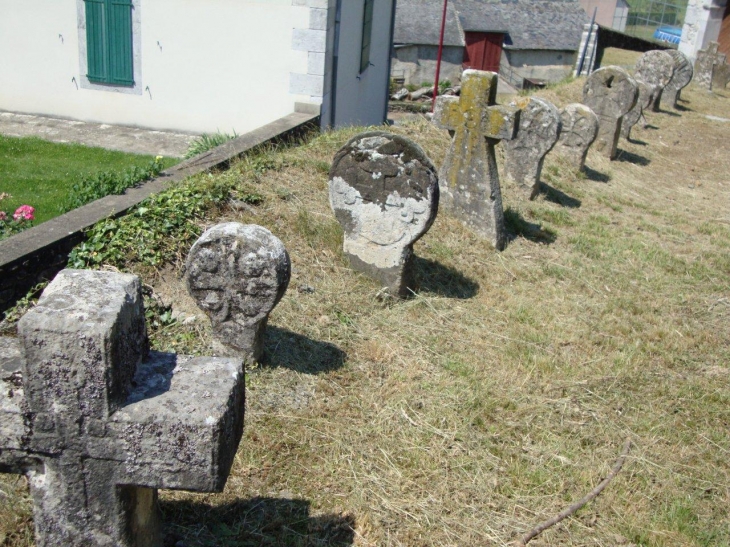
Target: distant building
195	65
609	13
520	39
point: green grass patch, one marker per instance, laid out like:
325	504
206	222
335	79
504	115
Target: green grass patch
42	174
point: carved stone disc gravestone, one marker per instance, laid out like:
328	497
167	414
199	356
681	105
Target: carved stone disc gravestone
384	192
681	78
655	68
610	92
634	115
237	273
578	130
537	133
98	426
707	61
469	179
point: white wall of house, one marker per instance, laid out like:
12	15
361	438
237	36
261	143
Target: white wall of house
202	65
701	25
361	98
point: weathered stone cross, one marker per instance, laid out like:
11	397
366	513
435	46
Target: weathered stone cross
708	61
469	181
96	429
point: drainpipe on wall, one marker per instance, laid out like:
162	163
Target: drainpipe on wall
335	59
390	60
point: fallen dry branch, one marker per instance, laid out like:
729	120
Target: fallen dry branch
593	494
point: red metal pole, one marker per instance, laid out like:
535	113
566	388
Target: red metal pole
438	60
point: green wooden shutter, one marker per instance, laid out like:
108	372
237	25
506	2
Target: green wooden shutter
96	40
109	41
367	31
121	71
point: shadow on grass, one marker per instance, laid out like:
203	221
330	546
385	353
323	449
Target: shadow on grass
630	157
253	522
683	108
286	349
595	176
434	277
556	196
519	227
669	113
637	141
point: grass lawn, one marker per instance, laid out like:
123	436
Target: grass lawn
41	173
504	390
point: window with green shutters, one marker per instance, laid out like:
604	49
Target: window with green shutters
367	33
109	42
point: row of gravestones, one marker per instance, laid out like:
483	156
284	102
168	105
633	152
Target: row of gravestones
98	422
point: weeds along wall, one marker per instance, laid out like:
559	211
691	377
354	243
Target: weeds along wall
198	65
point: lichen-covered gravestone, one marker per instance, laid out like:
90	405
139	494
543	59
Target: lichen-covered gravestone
610	92
469	179
578	130
634	115
537	133
681	78
98	425
384	192
237	273
707	61
655	68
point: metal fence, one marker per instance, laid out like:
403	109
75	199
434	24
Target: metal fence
655	20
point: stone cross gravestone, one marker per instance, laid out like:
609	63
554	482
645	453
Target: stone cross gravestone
237	273
707	61
98	425
655	68
633	116
384	192
537	133
469	179
610	92
721	76
578	130
681	78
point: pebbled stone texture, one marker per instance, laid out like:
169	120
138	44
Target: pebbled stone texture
237	273
578	130
681	78
98	424
537	133
655	68
469	179
384	192
610	92
634	115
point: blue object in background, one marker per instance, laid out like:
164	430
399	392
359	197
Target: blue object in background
668	34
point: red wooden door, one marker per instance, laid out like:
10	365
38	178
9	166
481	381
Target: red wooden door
483	50
724	37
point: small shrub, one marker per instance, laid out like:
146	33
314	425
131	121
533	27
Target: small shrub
109	183
207	142
21	219
154	232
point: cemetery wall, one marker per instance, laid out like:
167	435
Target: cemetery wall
197	68
548	65
417	63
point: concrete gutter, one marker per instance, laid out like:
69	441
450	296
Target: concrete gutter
40	252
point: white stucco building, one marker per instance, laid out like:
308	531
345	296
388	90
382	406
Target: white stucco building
196	65
706	21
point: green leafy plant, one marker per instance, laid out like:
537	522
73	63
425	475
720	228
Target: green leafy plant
207	142
108	183
155	231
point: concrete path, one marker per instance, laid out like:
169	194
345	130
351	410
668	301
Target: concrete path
113	137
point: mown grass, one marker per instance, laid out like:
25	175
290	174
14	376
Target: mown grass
41	173
504	389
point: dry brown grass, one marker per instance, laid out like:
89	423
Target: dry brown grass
503	390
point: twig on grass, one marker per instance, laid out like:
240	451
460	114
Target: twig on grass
593	494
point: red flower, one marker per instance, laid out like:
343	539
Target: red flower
24	212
